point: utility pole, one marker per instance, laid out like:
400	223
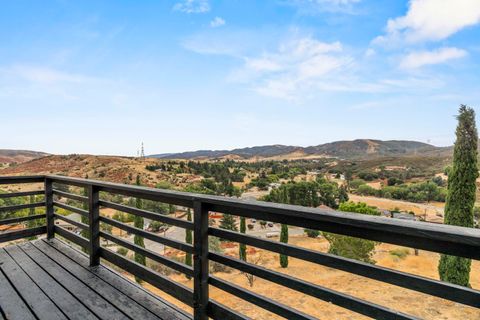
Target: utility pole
142	153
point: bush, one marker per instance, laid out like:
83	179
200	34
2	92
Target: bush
311	233
400	253
366	190
355	183
368	176
122	251
155	226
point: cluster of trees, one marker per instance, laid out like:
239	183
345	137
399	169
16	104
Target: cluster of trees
309	194
210	186
263	180
220	171
415	192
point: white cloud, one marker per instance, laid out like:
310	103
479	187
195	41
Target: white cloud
421	58
217	22
431	20
192	6
296	65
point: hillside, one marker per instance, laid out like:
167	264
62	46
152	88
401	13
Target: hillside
108	168
356	149
19	156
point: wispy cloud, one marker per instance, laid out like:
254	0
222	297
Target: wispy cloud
192	6
422	58
217	22
44	75
296	65
316	6
431	20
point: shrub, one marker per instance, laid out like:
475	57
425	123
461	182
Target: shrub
122	251
311	233
400	253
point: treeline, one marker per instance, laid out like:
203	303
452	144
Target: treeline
416	192
309	194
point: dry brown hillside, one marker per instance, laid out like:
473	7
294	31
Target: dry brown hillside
19	156
108	168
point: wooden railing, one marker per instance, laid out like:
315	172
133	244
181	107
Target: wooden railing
458	241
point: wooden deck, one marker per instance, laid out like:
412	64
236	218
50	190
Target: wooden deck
50	280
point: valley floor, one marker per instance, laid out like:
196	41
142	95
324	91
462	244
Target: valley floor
407	301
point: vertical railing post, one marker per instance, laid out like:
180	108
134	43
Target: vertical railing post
94	225
49	208
200	261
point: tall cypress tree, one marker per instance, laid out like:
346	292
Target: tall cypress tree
242	250
188	239
461	193
138	240
284	239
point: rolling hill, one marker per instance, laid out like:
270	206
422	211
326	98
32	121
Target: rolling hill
355	149
19	156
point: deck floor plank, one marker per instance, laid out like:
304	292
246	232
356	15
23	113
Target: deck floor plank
109	293
12	304
50	280
34	297
161	308
69	305
92	300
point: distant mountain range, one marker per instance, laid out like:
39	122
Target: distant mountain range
356	149
19	156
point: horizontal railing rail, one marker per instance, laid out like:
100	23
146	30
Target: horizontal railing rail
11	234
444	239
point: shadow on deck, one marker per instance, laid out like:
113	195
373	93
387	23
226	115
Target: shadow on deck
48	279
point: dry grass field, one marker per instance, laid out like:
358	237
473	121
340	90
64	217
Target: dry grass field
410	302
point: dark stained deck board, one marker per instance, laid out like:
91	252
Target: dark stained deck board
68	303
32	295
92	300
114	296
12	304
47	279
160	307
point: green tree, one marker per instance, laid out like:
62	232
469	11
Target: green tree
461	193
228	222
342	194
138	240
242	250
188	239
284	239
350	247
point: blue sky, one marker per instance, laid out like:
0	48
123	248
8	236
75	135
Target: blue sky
100	77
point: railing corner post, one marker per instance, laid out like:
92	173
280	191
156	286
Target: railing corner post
49	211
200	261
94	225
